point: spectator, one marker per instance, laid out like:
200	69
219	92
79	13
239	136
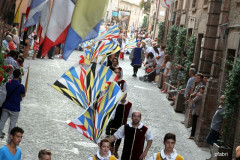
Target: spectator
167	72
11	61
159	58
198	84
192	73
44	154
172	93
11	44
149	68
197	101
104	152
35	46
3	90
180	67
20	62
11	151
5	43
139	38
11	106
16	40
135	134
216	124
168	153
205	78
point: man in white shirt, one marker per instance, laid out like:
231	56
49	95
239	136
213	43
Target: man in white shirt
134	134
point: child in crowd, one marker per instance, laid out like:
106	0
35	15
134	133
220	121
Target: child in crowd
121	57
173	93
20	62
35	46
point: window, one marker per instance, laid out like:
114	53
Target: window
176	5
193	3
205	2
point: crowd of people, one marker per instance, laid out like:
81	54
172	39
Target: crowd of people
147	53
11	94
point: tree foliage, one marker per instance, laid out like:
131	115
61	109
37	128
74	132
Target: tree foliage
190	54
171	40
181	39
145	21
145	5
232	93
161	32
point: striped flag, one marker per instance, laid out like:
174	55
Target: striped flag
82	83
102	48
85	23
43	23
113	32
35	11
93	121
59	23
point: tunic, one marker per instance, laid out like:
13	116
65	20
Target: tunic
121	115
133	141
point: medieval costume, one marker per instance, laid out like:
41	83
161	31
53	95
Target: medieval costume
162	156
133	141
137	57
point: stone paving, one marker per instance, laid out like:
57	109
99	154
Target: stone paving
45	113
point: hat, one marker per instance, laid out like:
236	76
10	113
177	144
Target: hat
144	41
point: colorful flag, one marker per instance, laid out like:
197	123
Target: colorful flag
102	30
35	11
166	3
131	44
85	23
43	23
102	48
82	83
93	121
59	23
28	8
113	32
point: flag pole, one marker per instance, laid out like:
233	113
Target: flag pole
26	82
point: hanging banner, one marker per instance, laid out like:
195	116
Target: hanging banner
166	3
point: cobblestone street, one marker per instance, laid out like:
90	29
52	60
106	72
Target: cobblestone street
45	113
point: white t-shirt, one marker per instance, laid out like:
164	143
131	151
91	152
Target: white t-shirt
160	60
150	49
169	66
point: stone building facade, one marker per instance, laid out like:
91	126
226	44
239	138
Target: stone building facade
133	7
216	25
156	15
